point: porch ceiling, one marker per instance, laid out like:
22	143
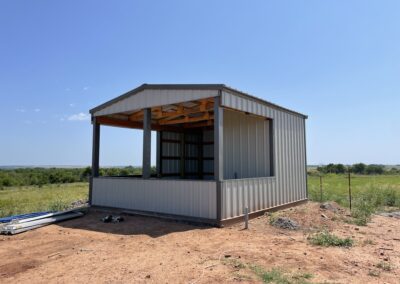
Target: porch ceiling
192	114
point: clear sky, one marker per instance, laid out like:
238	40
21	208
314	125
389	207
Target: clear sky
337	61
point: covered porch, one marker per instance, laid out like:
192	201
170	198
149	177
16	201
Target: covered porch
185	181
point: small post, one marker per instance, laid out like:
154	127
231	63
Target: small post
146	163
350	188
320	186
246	218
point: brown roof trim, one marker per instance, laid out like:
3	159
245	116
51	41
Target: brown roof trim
220	87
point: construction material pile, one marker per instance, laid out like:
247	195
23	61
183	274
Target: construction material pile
20	223
285	223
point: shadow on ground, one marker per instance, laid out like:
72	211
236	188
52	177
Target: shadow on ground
132	225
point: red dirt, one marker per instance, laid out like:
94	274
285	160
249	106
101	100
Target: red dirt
150	250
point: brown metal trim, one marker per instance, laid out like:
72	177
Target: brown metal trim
104	120
235	220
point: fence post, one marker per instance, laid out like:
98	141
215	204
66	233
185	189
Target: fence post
320	187
350	189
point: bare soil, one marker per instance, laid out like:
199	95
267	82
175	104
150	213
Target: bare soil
149	250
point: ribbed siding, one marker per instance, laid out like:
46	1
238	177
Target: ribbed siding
289	181
153	98
246	146
178	197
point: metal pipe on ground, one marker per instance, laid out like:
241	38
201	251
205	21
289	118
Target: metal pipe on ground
18	221
13	229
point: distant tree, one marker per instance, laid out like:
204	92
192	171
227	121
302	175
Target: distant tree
358	168
340	169
374	169
86	173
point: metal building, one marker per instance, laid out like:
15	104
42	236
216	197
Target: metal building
219	151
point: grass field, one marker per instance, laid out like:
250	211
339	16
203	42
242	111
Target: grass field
335	187
370	193
26	199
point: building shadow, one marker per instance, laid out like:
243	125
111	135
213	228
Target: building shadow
132	225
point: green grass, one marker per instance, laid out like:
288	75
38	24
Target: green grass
327	239
280	277
369	193
274	275
26	199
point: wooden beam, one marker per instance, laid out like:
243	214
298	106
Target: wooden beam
199	124
119	122
104	120
136	115
187	119
202	106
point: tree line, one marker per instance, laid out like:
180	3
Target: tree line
42	176
359	168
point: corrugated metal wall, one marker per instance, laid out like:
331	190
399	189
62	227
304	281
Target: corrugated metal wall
178	197
246	146
289	181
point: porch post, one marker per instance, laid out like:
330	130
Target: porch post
218	140
146	166
218	153
95	155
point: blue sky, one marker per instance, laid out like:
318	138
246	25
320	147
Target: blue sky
337	61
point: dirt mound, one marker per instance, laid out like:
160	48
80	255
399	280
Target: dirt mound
312	217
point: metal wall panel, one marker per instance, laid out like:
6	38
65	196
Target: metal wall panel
178	197
289	181
246	146
153	98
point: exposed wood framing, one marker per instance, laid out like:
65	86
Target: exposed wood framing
193	114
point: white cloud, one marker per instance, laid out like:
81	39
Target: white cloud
86	88
79	117
37	109
20	110
71	105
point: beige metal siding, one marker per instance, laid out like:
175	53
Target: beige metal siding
246	146
289	182
153	98
178	197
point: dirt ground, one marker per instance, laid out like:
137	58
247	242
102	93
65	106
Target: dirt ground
149	250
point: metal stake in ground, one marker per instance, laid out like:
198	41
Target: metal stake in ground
350	189
246	218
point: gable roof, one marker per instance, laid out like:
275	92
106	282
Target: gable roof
216	87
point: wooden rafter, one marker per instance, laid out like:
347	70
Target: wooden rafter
187	119
136	115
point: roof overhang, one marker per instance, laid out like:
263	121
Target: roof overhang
154	95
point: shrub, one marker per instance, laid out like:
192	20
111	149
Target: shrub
327	239
384	266
58	205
